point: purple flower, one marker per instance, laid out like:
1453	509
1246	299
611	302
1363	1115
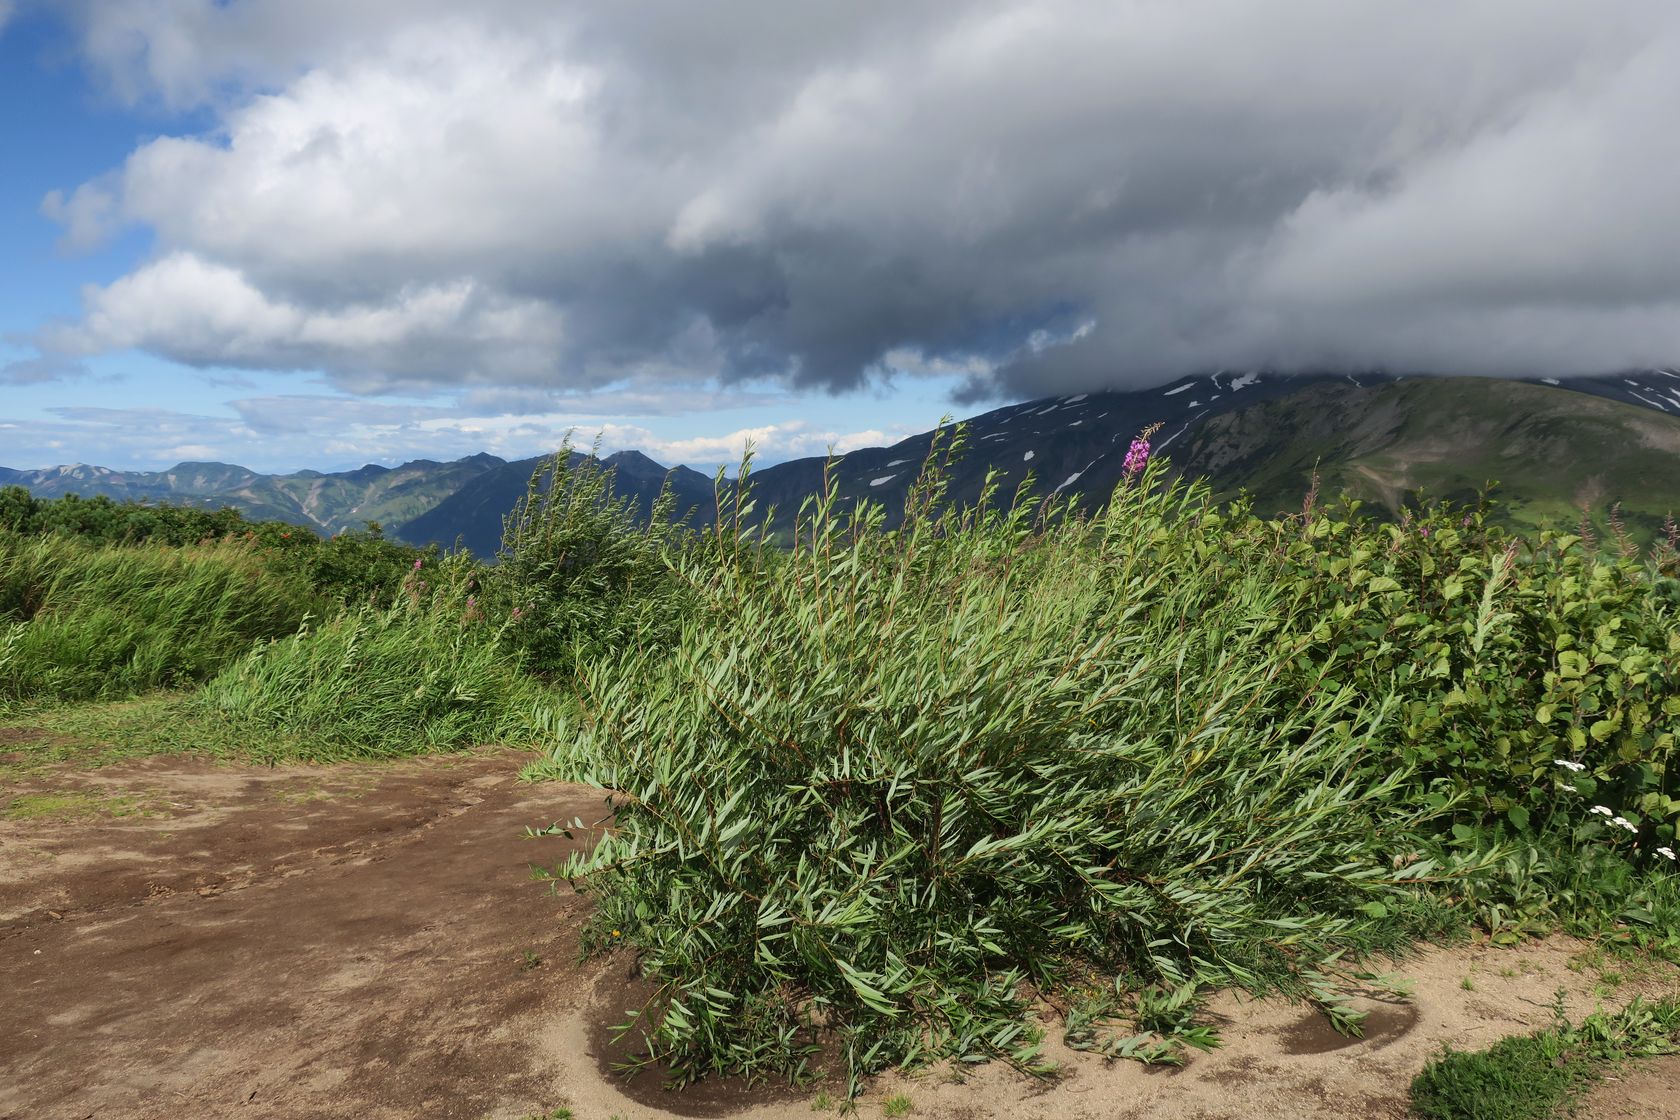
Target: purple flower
1137	457
1423	531
417	564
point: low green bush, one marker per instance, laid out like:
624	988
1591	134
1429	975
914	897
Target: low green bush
351	567
1527	671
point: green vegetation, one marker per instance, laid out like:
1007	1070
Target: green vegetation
429	672
1535	1076
581	573
69	804
80	620
878	789
353	567
888	781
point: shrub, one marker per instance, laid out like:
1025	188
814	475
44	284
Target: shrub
581	572
883	786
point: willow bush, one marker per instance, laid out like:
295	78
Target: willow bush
888	786
582	571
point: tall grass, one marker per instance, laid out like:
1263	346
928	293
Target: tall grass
80	620
886	786
429	672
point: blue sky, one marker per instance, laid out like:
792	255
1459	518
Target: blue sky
130	409
306	233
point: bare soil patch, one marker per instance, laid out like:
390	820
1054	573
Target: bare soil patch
285	942
366	941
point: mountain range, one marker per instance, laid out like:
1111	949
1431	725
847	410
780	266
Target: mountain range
1553	448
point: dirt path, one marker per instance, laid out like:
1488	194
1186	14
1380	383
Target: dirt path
367	942
285	942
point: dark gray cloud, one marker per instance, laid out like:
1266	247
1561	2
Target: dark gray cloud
1051	196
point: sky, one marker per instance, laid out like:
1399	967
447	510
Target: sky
315	234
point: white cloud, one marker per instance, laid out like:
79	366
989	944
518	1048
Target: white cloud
791	439
192	310
1047	196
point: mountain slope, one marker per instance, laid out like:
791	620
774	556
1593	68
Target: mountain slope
328	503
1551	448
1551	452
472	516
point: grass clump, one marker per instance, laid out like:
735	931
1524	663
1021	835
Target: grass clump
84	621
430	672
1537	1076
888	784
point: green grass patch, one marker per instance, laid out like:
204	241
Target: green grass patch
92	734
429	673
71	805
1538	1076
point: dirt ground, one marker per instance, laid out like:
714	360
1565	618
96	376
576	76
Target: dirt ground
182	939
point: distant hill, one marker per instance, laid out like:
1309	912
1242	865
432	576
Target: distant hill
473	515
1553	447
328	503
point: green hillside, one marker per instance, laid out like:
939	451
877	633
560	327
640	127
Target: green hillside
1551	452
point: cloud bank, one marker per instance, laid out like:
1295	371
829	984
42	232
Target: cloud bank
1047	196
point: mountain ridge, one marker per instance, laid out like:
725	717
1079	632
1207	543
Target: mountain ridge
1376	436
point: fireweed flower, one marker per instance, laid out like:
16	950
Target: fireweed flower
1137	457
417	564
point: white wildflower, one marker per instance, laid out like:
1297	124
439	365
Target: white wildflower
1572	767
1604	810
1667	853
1623	822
